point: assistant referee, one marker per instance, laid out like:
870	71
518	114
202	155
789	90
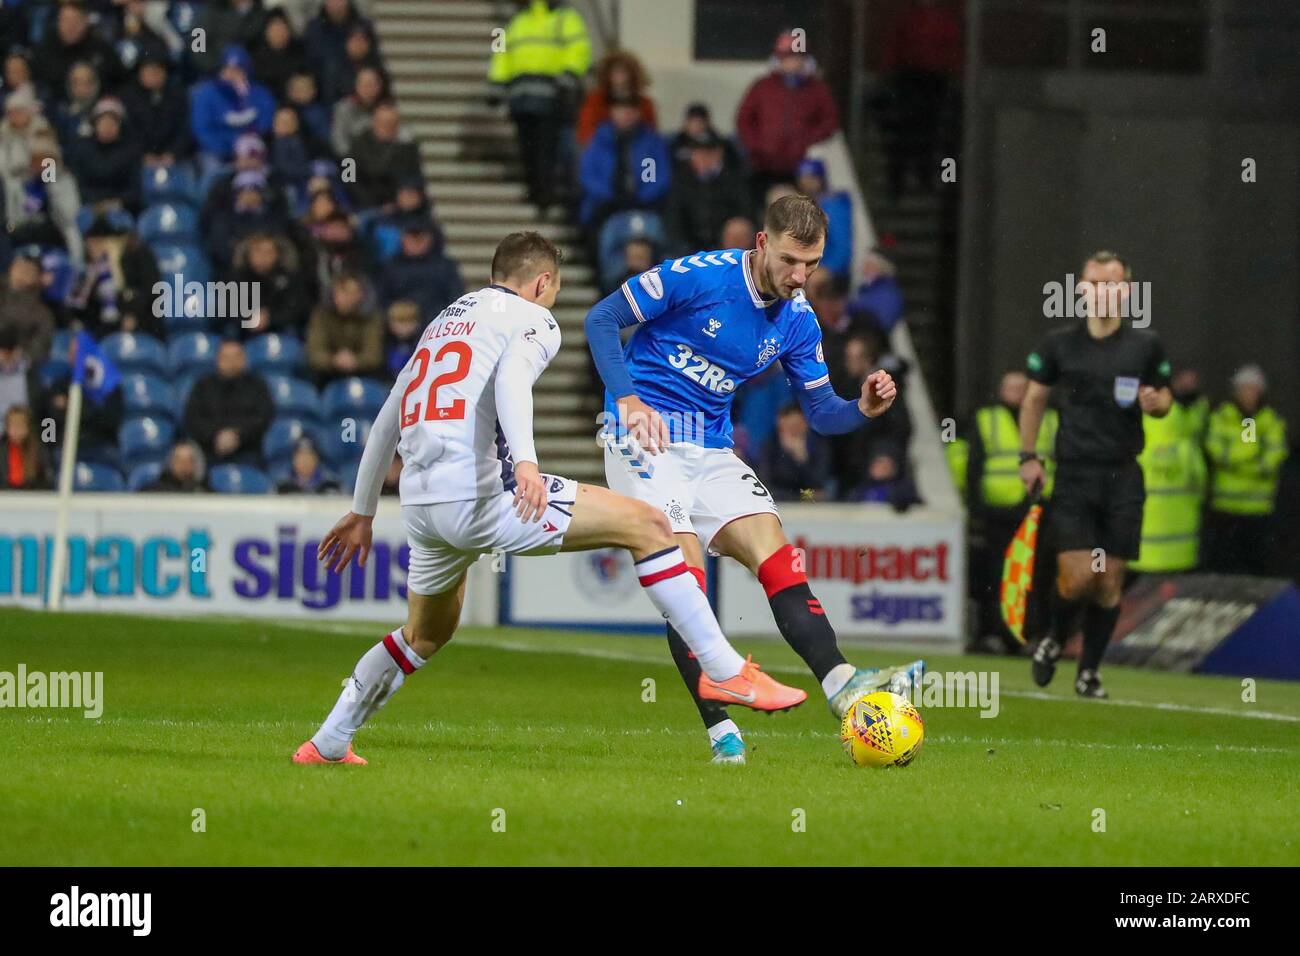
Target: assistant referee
1106	374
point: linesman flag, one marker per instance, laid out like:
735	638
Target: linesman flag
1018	572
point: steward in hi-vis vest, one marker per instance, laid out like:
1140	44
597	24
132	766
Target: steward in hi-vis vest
1173	468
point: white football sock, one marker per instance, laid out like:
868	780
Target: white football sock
377	676
674	591
835	681
721	729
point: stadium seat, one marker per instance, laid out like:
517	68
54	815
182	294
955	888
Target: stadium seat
187	261
144	439
278	442
146	394
275	354
192	352
136	352
119	219
54	373
169	222
294	397
142	476
161	184
348	476
353	397
184	15
238	480
337	450
182	385
91	476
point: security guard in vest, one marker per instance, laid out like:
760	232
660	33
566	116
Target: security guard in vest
1246	445
1173	469
539	64
996	497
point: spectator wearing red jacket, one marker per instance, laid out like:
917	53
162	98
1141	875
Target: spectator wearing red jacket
783	114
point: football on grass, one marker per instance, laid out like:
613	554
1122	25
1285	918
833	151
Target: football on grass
882	730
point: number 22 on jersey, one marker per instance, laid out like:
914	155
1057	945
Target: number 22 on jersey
433	412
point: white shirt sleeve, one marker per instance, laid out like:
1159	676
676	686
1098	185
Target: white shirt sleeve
525	357
380	448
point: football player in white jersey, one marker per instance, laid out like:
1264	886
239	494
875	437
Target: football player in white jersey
461	417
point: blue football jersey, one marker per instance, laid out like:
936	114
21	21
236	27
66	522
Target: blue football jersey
703	331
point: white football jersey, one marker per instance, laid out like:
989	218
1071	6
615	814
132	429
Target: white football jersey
451	444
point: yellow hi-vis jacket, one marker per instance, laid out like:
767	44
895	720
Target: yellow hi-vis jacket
999	483
1173	469
1245	475
542	42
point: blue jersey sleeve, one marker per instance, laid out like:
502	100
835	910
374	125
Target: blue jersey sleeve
803	360
666	288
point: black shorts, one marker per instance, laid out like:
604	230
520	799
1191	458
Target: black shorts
1098	506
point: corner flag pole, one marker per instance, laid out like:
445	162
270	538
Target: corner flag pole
67	468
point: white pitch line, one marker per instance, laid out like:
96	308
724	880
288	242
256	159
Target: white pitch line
523	647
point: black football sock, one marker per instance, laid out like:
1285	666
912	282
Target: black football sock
798	614
711	712
1065	617
1098	627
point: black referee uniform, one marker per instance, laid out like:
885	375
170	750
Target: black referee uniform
1099	494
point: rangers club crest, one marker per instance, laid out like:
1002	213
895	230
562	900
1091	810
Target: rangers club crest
767	351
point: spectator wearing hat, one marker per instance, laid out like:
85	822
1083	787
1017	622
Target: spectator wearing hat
1246	446
703	197
343	337
115	291
107	165
158	113
38	208
277	54
307	475
810	178
24	459
228	105
420	273
783	115
385	156
23	121
351	116
697	126
184	471
71	39
22	310
227	24
284	290
230	409
72	114
618	74
256	207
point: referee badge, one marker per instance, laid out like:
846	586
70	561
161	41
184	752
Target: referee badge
1126	391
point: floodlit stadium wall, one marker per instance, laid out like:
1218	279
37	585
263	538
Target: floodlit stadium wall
879	575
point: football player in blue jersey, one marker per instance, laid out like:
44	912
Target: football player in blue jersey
706	324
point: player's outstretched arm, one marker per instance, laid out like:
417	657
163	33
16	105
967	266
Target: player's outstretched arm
636	418
829	414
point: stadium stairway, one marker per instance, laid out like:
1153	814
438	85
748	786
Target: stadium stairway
437	52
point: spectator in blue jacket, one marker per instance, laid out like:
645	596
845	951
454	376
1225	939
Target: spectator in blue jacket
626	166
326	39
812	181
420	273
227	105
878	298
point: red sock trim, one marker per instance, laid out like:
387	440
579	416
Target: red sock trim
777	573
699	576
657	576
396	654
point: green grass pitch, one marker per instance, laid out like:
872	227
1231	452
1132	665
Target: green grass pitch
552	729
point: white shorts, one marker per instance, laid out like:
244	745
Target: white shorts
448	537
699	489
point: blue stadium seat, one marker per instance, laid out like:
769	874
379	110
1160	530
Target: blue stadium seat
61	346
185	260
142	476
337	450
184	15
54	373
90	476
182	385
169	222
119	219
348	476
238	480
145	394
294	397
353	397
275	354
136	352
167	184
277	444
192	352
144	439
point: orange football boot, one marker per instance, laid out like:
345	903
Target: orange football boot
753	689
308	753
